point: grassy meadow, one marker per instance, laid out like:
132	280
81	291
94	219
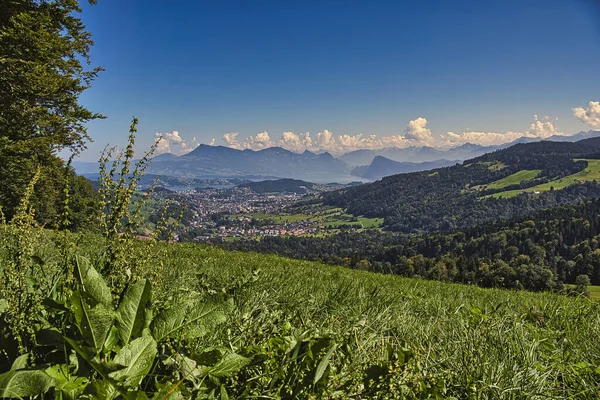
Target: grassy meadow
514	179
333	217
425	339
591	173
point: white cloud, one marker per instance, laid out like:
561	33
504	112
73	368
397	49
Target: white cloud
417	132
324	140
539	128
589	115
542	128
482	138
172	142
230	140
293	142
262	140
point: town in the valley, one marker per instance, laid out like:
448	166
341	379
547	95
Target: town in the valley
231	213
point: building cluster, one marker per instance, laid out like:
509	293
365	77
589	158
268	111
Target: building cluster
227	213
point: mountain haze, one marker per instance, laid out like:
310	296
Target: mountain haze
381	166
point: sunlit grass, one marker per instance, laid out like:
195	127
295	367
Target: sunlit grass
514	179
591	173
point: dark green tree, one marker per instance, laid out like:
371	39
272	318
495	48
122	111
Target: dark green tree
44	68
581	284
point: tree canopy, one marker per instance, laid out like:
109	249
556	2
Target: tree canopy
44	68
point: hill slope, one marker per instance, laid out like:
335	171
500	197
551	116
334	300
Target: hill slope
437	338
443	199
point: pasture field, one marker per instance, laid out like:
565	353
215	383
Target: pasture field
594	292
514	179
591	173
333	217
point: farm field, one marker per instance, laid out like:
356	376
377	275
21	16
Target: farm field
332	217
514	179
591	173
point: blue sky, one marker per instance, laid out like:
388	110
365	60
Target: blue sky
331	68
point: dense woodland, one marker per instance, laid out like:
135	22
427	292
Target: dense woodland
539	252
441	200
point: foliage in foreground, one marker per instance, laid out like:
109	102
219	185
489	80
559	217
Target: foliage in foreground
363	335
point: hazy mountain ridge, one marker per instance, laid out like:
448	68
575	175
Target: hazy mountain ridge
463	152
224	162
382	166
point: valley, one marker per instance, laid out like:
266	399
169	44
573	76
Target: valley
252	211
320	200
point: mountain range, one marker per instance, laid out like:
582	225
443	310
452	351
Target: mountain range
220	161
381	167
224	162
420	154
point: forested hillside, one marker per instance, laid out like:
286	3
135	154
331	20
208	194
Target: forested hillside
449	198
538	252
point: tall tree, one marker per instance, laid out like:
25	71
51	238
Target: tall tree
44	68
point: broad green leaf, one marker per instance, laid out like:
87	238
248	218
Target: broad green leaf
229	365
198	319
186	366
84	351
49	337
20	362
92	282
168	391
223	393
112	339
137	395
137	358
323	364
93	322
101	390
69	386
131	315
24	383
168	322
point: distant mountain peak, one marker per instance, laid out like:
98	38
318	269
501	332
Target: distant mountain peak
164	156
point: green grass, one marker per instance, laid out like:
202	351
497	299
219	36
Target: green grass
496	343
466	342
280	219
591	173
370	222
514	179
594	292
333	217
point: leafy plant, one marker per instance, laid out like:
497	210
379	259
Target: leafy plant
107	349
